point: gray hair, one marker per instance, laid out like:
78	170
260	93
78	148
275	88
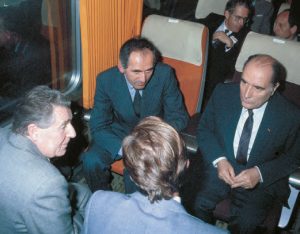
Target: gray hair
37	108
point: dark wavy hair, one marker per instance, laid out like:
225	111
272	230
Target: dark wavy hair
137	44
231	5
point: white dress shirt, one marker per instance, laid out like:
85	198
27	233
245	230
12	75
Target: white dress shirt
257	118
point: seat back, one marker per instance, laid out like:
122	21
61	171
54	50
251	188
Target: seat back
283	6
205	7
285	51
184	46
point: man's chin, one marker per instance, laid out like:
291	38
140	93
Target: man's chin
61	152
139	87
247	105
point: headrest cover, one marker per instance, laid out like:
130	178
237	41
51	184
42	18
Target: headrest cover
284	6
176	39
285	51
205	7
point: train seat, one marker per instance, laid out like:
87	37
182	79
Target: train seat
184	46
204	8
284	6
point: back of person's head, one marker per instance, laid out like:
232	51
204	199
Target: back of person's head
137	44
232	4
37	107
278	70
154	156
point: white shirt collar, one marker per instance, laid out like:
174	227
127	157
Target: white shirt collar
177	198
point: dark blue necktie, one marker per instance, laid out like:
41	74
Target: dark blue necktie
241	155
137	103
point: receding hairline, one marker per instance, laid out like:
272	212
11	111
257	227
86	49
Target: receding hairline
262	61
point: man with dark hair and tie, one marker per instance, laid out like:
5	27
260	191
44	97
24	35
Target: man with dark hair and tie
249	138
138	87
227	34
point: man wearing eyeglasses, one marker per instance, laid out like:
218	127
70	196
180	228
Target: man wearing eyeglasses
227	34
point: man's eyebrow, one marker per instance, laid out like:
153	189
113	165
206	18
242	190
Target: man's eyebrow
137	70
258	87
63	124
255	86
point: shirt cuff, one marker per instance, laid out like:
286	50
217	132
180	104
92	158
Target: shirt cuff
227	48
261	179
215	162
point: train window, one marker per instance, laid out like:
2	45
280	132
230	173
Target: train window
39	44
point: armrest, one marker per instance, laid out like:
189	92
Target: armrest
294	179
189	134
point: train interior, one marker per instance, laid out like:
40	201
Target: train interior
61	44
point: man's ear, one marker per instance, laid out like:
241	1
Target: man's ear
226	14
275	87
32	132
120	67
187	164
294	29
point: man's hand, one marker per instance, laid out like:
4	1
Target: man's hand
247	179
221	36
225	171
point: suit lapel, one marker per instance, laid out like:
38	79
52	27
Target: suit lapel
231	124
149	93
266	132
122	96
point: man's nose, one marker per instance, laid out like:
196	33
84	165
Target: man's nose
248	92
71	131
241	22
143	76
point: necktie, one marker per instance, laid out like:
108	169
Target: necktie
241	155
137	103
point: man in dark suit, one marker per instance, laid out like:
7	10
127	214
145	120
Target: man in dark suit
227	34
154	156
250	163
139	87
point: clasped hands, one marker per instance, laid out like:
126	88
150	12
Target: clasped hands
247	179
221	36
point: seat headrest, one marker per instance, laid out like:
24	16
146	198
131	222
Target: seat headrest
205	7
285	51
284	6
176	39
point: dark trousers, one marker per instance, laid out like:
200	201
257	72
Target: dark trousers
96	169
248	208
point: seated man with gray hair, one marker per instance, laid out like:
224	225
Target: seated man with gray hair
154	156
35	197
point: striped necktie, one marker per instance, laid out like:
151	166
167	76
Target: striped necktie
241	155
